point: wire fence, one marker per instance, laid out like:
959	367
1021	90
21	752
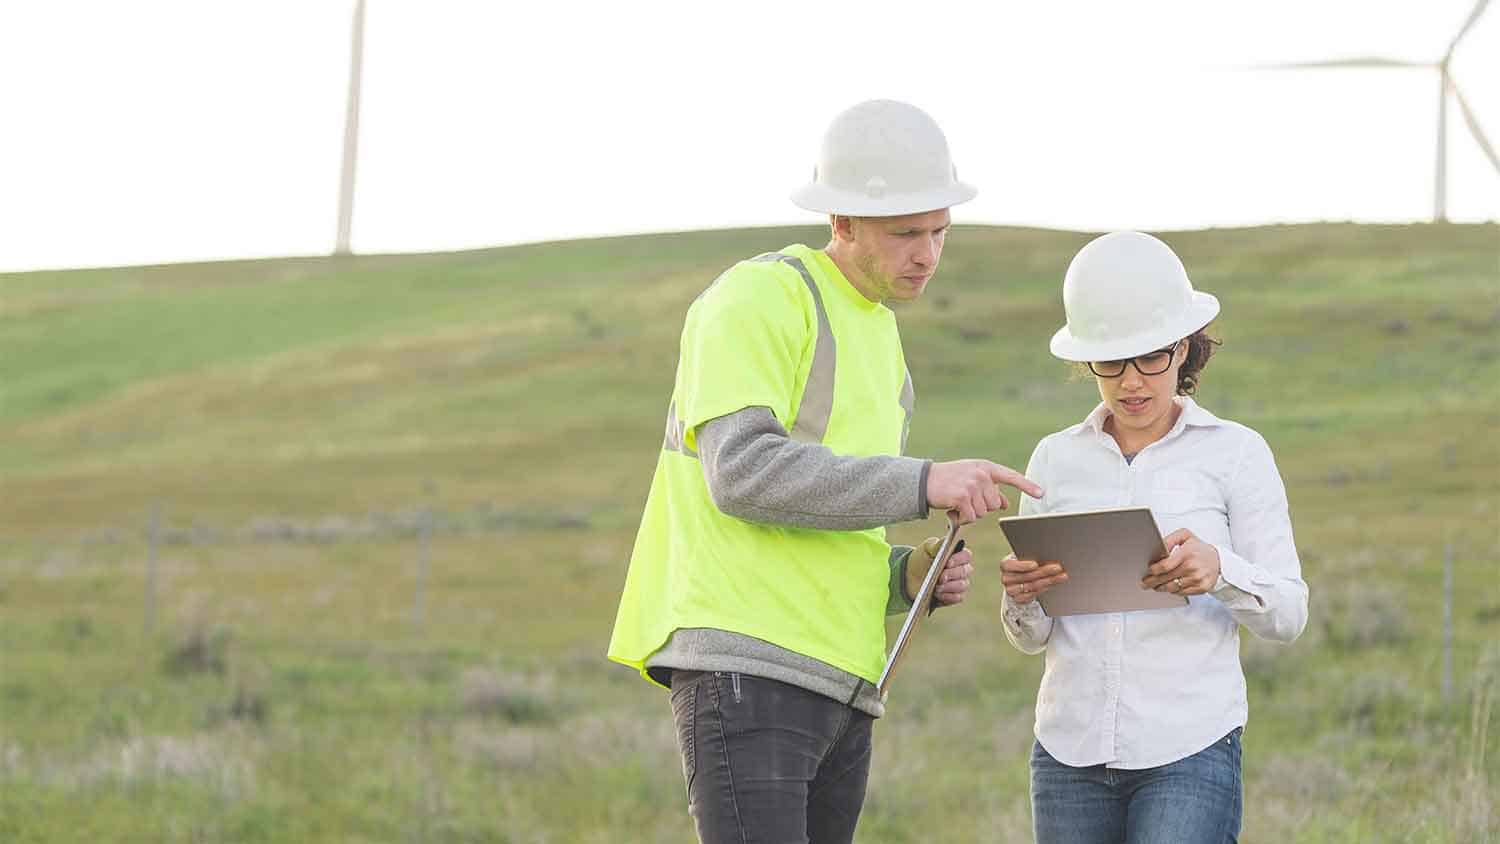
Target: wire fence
421	525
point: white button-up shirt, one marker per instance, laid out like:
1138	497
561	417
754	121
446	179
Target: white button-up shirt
1145	688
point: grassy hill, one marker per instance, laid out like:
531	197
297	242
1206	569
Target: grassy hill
396	494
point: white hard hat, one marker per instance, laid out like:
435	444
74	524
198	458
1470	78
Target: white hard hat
1127	294
883	158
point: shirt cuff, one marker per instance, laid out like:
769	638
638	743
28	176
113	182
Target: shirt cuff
922	507
898	602
1016	614
1235	587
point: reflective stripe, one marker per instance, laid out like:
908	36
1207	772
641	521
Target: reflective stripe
908	404
816	407
676	429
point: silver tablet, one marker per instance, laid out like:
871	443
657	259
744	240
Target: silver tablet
1105	553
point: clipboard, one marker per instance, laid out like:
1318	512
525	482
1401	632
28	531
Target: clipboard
921	605
1105	552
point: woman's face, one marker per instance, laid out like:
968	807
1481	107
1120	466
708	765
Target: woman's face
1142	403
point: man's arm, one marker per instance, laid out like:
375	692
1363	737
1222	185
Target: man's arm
757	472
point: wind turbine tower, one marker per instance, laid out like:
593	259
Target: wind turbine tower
351	132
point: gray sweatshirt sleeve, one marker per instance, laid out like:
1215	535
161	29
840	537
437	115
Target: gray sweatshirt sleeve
757	472
898	602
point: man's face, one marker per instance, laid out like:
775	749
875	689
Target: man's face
897	255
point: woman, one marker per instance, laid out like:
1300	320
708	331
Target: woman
1139	714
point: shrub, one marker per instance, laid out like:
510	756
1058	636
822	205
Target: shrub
1360	616
487	693
201	650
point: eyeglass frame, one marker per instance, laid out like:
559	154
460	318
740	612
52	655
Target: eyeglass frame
1171	352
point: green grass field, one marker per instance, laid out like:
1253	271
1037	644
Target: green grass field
301	425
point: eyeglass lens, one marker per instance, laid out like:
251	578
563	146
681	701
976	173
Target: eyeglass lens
1153	364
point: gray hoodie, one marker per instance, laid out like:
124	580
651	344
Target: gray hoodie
757	472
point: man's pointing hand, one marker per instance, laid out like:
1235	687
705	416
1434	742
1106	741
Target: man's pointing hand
971	487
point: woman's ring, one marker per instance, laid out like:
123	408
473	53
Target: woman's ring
1177	581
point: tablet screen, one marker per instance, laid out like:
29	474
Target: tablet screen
1105	553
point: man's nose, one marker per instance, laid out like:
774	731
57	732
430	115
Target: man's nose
926	252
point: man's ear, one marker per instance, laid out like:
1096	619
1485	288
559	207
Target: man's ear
843	226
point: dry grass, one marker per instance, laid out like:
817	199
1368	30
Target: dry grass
223	761
1287	791
516	698
1474	809
1357	615
521	749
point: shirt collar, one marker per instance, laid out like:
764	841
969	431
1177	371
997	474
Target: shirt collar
1192	414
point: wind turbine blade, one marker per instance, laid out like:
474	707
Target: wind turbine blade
1473	122
1366	61
1473	16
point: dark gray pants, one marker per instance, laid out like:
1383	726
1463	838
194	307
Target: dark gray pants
767	762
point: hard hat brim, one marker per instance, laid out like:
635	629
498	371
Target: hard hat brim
826	200
1200	311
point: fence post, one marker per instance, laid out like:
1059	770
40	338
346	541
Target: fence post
153	530
1448	623
424	538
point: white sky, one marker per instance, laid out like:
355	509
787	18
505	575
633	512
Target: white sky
153	130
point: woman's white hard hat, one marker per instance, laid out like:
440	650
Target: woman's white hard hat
1127	294
883	158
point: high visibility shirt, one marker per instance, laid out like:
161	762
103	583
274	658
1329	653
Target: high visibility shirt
786	331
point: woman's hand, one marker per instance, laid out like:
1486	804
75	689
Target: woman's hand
1191	566
1026	579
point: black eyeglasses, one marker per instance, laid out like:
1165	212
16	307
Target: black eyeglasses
1154	363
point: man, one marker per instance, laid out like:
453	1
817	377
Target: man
761	578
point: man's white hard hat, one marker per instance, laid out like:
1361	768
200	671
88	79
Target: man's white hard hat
1127	294
883	158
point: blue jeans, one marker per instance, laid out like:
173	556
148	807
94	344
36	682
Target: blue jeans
769	762
1191	801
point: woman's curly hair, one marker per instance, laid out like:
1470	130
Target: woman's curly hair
1200	349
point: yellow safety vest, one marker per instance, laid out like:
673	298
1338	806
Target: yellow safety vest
788	332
